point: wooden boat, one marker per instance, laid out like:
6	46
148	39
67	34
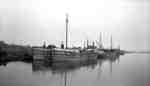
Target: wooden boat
64	54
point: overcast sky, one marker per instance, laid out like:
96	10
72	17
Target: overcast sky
30	22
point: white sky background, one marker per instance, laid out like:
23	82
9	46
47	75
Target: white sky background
30	22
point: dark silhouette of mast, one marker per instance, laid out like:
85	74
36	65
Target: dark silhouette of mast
67	21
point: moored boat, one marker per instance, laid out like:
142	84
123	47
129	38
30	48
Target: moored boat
63	54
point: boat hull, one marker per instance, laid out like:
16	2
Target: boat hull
74	58
53	55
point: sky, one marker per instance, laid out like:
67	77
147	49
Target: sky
31	22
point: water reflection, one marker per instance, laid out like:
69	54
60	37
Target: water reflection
132	70
66	69
58	73
62	67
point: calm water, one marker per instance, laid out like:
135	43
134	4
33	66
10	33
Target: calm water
128	70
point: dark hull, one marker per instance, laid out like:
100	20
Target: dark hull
63	56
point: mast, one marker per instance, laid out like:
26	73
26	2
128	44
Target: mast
84	44
111	42
100	41
67	30
87	44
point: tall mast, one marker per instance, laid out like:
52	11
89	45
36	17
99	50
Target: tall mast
67	30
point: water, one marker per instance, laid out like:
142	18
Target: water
128	70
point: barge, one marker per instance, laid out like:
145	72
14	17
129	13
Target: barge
64	54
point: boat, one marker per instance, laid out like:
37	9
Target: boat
108	52
61	54
64	54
